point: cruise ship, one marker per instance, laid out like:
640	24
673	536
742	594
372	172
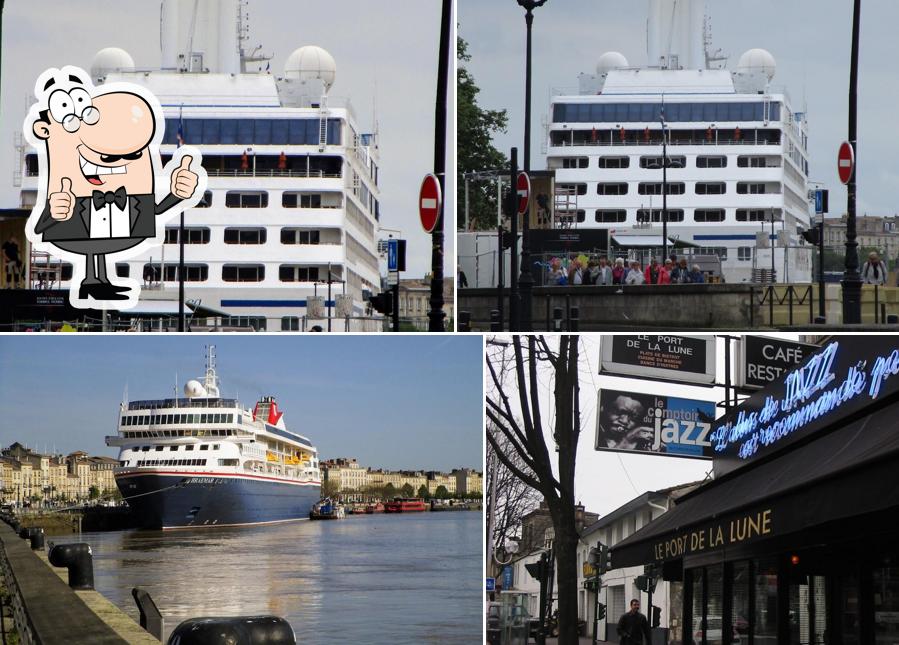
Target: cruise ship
204	461
287	233
736	144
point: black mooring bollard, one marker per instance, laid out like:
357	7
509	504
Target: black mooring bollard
37	538
244	630
892	319
78	559
574	319
820	320
464	321
495	323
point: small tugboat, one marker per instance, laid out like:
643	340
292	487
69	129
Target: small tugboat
405	505
374	508
326	509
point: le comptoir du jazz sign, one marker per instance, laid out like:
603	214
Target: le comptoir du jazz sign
715	536
654	424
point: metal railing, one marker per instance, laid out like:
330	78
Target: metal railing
271	172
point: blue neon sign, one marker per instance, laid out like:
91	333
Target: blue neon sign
813	392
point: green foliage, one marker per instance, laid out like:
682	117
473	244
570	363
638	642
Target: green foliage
93	493
441	492
389	491
423	492
474	146
330	488
407	490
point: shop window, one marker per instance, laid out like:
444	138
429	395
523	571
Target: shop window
808	610
764	627
740	590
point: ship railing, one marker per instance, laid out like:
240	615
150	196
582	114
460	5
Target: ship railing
656	142
272	172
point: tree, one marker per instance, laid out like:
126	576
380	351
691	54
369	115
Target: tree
423	492
93	493
407	490
330	488
441	492
519	439
514	498
475	128
389	491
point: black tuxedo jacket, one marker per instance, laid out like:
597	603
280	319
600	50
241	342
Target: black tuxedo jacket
143	210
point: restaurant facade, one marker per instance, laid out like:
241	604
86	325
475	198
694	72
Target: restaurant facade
796	539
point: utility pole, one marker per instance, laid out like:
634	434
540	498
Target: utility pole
180	273
664	188
514	321
329	296
526	280
436	314
852	284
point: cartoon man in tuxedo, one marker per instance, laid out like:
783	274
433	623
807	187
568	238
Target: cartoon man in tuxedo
98	152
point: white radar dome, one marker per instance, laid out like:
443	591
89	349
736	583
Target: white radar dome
111	59
311	62
609	61
758	60
194	390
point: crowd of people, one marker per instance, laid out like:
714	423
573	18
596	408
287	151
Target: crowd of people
583	270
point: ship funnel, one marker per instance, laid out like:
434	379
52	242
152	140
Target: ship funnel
675	35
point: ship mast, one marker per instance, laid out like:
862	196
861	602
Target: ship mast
210	382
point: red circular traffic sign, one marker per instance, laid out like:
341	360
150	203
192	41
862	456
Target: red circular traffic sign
429	200
523	187
846	162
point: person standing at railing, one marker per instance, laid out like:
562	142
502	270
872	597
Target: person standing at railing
874	270
282	161
244	161
619	272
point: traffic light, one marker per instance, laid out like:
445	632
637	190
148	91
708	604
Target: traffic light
642	583
811	235
537	569
600	611
383	303
656	616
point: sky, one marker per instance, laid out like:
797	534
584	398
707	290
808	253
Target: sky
809	39
404	402
606	480
382	64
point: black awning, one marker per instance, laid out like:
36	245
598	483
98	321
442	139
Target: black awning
848	472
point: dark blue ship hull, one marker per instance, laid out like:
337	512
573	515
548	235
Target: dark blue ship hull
162	500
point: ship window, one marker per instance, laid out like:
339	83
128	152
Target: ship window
204	418
299	236
215	446
744	253
746	188
192	272
674	161
192	235
173	448
206	202
245	236
122	269
237	199
290	323
674	215
145	448
291	273
575	162
750	215
611	188
711	162
189	447
204	446
614	162
708	215
227	462
611	216
301	200
655	188
710	188
578	189
159	448
243	273
746	161
201	462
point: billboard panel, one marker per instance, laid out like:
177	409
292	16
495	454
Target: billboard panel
654	424
682	359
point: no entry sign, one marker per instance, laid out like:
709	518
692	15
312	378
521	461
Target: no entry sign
429	199
845	162
523	187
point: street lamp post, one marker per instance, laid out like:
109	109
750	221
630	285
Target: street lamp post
852	284
180	274
526	280
664	187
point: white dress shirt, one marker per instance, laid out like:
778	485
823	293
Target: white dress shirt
110	221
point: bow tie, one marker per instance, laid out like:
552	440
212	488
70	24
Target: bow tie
100	198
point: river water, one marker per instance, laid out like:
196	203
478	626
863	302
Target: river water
411	578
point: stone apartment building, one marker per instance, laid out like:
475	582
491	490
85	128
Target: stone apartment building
415	297
873	232
28	476
352	479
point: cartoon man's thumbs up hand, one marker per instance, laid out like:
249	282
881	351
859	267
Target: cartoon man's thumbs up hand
62	204
184	180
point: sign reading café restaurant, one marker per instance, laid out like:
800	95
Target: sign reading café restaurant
762	360
682	359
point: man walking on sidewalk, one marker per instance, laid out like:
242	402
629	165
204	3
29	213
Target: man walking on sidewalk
633	628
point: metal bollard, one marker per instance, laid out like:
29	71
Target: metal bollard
495	323
557	319
79	560
574	319
246	630
820	320
37	539
150	617
464	321
892	319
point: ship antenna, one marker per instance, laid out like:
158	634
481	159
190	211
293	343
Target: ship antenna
211	380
